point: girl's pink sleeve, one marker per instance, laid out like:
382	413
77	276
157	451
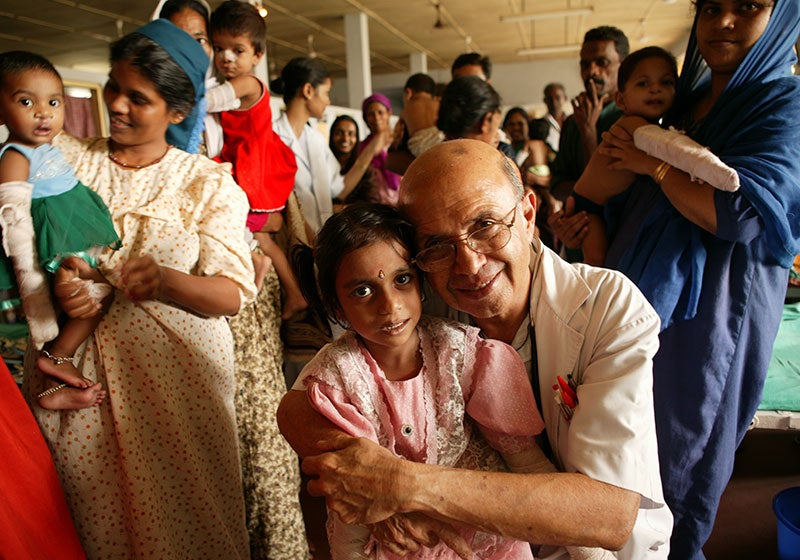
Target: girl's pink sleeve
335	405
501	399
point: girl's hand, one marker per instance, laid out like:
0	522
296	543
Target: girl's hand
406	532
570	227
382	141
141	278
71	294
618	145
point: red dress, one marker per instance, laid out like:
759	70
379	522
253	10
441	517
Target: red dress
34	520
262	164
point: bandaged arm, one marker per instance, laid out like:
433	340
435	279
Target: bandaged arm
680	151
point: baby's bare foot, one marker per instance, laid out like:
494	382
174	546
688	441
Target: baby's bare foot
262	264
62	368
72	398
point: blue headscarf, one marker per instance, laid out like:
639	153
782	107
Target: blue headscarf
193	60
754	127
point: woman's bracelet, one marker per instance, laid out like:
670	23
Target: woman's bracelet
661	172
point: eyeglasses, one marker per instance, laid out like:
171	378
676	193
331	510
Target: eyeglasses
484	240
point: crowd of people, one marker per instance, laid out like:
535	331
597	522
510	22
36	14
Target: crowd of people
498	316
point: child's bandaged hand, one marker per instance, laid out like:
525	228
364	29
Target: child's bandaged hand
96	291
73	292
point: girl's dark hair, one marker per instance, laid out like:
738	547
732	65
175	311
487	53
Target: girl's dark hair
172	7
15	62
155	64
465	102
351	159
515	111
628	66
240	19
358	225
297	73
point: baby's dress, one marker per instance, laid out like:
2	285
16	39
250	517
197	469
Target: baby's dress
68	217
423	419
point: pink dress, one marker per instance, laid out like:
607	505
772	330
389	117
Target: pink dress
424	419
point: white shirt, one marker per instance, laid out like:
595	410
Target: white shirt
318	179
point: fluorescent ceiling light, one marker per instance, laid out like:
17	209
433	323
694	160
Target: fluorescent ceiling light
549	50
547	15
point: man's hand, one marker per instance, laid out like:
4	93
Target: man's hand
403	533
587	108
358	478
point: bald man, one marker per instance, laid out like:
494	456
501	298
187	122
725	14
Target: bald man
475	231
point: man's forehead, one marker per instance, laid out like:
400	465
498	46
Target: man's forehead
433	214
597	49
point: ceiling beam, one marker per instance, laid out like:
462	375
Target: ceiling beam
328	33
397	33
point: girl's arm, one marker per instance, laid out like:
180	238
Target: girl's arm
693	200
13	166
375	147
141	278
246	89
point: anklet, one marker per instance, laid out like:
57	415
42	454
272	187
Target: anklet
57	360
50	391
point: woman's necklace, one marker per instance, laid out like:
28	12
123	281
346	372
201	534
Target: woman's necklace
121	163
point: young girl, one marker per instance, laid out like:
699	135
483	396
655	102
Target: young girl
407	381
646	91
262	164
47	215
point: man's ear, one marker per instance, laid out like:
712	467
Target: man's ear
528	203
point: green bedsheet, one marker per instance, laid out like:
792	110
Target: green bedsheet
782	389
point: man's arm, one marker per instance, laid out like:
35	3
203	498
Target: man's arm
364	483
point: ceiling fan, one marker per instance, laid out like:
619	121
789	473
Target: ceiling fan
438	24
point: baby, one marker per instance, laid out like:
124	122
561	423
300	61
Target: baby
262	164
647	80
46	215
420	109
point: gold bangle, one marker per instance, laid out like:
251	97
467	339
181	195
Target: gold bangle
661	172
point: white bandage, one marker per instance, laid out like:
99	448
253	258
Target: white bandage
19	242
685	154
222	98
229	55
425	139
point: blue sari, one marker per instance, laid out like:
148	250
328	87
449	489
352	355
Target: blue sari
719	295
